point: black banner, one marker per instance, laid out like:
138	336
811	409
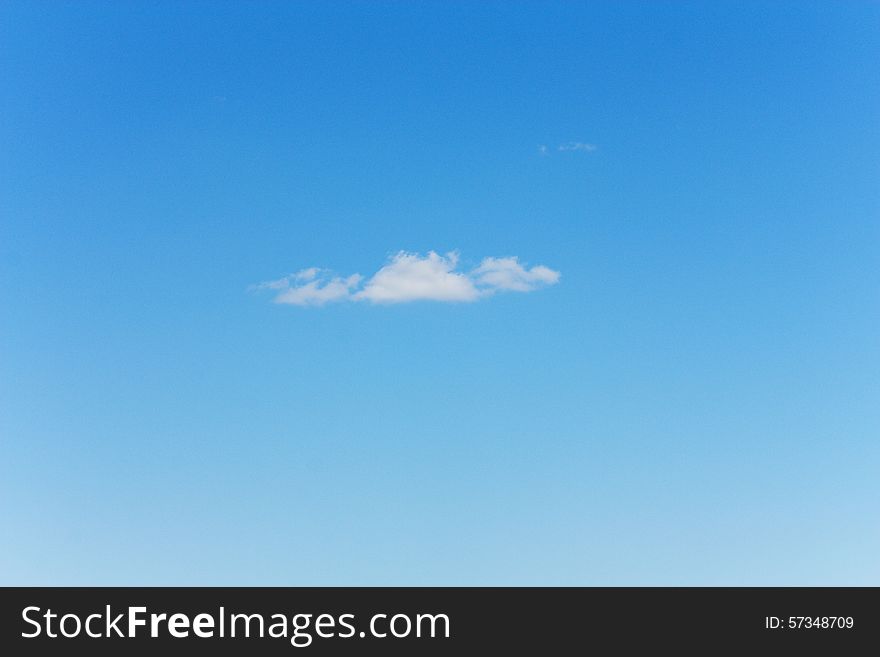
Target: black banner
435	621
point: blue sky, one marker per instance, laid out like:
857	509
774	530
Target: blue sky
695	399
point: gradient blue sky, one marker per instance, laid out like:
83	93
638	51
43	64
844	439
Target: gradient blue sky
697	401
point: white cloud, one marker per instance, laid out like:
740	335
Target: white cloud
577	146
307	274
412	277
305	288
507	274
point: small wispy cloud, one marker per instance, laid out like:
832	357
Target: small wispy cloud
577	146
411	277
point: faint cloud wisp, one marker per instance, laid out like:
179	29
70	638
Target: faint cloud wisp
577	146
